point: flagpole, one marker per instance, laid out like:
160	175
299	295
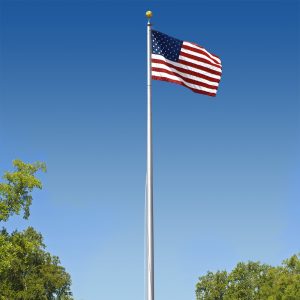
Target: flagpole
150	240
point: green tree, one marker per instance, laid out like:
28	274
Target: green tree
252	281
15	193
27	270
212	286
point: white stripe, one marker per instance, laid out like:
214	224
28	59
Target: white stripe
156	65
200	55
199	63
199	47
157	56
172	77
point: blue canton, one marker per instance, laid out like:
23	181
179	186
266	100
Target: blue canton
166	46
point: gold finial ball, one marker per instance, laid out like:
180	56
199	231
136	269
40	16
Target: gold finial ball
149	14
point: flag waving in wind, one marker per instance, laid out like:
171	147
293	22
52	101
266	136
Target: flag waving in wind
185	63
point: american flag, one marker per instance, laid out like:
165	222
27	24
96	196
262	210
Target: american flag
185	63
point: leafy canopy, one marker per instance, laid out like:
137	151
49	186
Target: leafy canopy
27	270
253	281
15	193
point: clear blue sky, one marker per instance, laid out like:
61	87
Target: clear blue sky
227	169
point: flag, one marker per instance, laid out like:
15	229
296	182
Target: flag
185	63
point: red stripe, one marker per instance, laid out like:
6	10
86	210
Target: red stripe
198	83
204	48
183	70
200	51
181	83
199	59
190	64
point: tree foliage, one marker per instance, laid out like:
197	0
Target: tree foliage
27	270
15	192
253	281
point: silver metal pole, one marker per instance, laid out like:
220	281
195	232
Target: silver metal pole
150	241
